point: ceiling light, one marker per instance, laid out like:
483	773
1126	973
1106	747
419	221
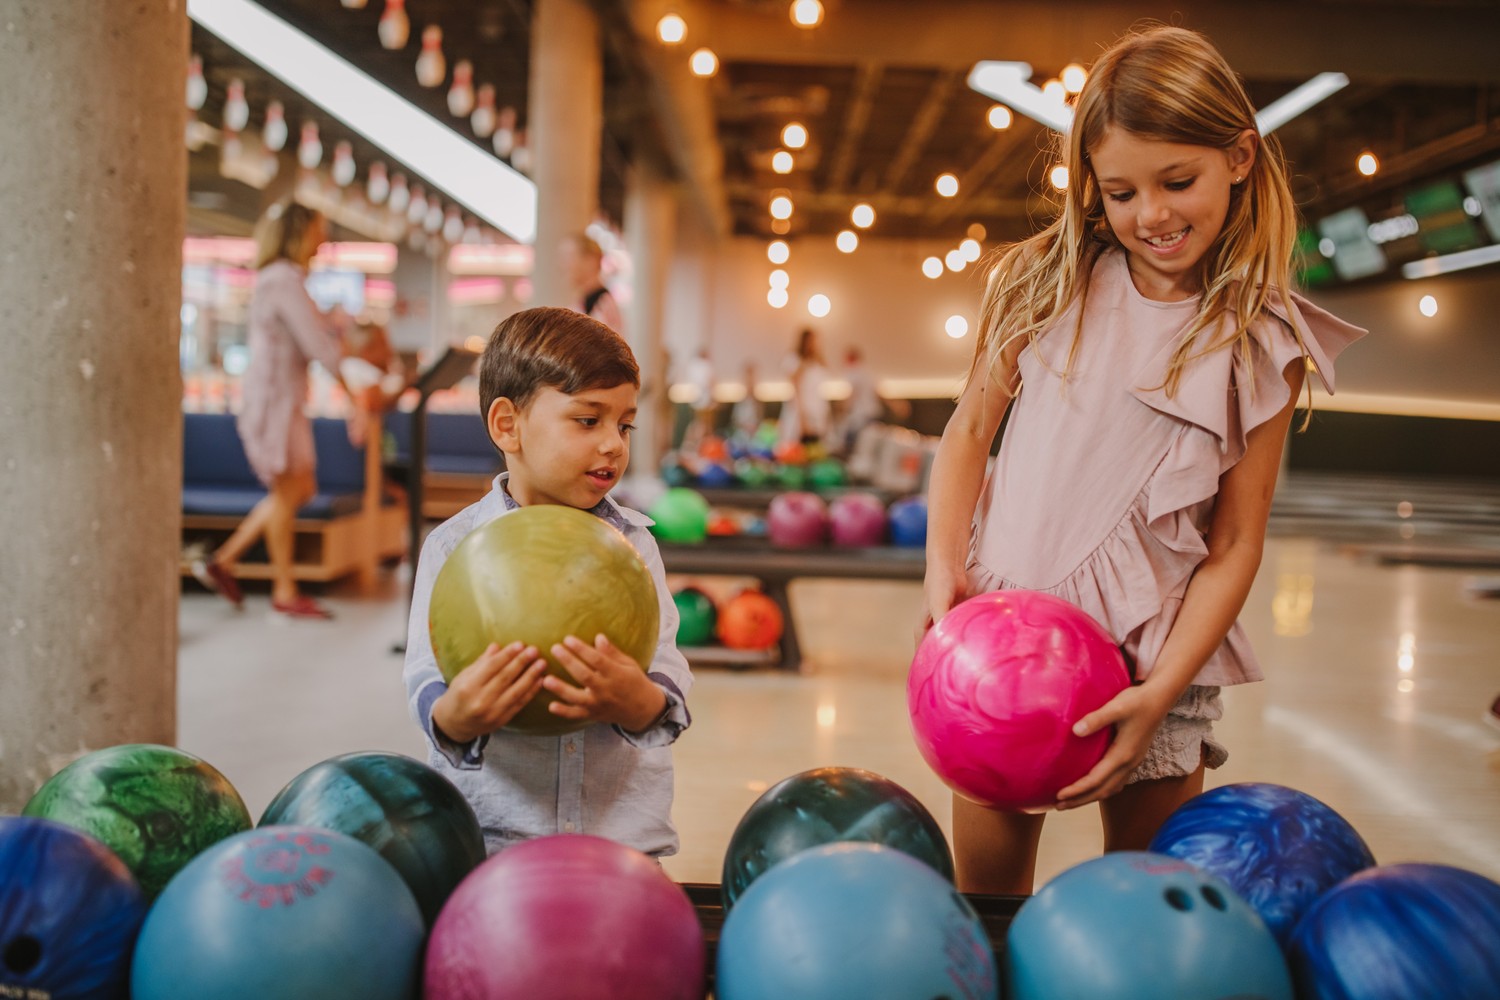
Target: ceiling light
1428	306
1431	267
1367	164
671	29
970	249
819	305
947	185
781	226
492	190
807	13
1053	90
1298	100
778	252
780	279
956	327
781	207
1011	82
782	162
977	231
862	216
794	136
1073	77
955	260
932	267
847	241
999	117
1059	177
778	298
704	63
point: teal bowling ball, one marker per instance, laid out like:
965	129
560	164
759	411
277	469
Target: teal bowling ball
156	807
830	805
413	816
290	912
697	617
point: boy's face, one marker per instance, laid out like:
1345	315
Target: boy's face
564	449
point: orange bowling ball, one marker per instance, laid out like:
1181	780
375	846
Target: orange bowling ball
750	620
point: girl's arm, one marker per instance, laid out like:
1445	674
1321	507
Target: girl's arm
957	477
1214	597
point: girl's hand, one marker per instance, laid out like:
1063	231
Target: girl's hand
614	688
489	692
942	589
1136	713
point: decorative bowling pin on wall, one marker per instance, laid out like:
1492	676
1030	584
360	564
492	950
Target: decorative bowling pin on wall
236	109
273	134
400	196
197	87
461	94
431	66
378	185
505	133
310	147
395	28
483	118
416	209
343	163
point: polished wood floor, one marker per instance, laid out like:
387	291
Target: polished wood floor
1378	677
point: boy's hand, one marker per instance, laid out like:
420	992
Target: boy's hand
489	692
614	690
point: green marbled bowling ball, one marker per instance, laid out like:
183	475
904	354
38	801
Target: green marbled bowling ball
408	812
830	805
154	806
697	617
826	472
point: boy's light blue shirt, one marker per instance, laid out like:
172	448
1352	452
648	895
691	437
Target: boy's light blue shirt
600	780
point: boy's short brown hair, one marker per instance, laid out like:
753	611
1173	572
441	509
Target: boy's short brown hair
556	348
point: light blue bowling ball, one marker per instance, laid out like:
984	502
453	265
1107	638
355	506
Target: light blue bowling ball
290	912
1139	926
1279	848
853	922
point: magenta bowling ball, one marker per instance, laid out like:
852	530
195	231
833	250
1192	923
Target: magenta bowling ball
797	520
566	916
994	692
857	519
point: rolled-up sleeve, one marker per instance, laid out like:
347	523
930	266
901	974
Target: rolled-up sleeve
669	668
424	682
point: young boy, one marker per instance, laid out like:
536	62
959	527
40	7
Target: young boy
558	391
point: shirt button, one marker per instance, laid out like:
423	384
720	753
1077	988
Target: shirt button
568	826
571	746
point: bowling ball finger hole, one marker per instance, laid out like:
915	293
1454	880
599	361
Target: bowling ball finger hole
1213	897
1178	899
22	955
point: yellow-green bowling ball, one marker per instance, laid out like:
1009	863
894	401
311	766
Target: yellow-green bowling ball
534	576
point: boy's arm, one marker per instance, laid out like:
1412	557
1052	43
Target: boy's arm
424	682
668	668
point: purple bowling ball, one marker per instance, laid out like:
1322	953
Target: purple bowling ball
797	520
994	692
857	520
563	916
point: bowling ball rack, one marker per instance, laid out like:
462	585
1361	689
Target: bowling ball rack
995	912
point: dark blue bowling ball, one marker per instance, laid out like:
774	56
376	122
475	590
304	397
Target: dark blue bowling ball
715	476
1279	848
69	913
674	473
1402	931
908	522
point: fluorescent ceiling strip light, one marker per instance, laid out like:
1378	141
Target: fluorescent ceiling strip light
1288	106
1431	267
490	189
1010	84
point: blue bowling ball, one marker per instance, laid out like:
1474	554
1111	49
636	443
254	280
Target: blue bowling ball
69	913
908	521
1401	931
291	912
853	922
1139	926
674	473
715	476
1279	848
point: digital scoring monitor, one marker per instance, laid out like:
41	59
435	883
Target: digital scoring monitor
1442	224
1347	234
335	287
1484	186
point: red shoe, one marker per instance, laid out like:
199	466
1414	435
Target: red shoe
219	580
301	606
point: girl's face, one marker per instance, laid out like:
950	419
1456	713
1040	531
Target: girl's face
1167	203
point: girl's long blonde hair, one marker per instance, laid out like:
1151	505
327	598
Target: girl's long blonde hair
1169	84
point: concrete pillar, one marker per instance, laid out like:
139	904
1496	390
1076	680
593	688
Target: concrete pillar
563	126
93	191
650	224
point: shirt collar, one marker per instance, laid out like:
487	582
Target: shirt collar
606	510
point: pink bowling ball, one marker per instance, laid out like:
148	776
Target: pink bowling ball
994	692
566	916
857	520
797	520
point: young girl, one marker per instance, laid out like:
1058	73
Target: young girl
1154	351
